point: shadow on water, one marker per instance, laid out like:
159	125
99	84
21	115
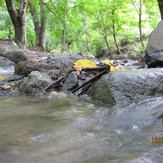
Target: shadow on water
67	130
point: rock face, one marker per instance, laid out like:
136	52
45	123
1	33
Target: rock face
122	87
52	62
12	53
35	81
154	50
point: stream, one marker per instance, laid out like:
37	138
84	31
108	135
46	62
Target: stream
70	130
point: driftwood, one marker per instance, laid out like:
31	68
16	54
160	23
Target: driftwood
104	70
91	80
96	68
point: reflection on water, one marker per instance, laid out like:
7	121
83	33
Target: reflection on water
42	130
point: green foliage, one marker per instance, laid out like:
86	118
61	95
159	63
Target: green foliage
6	27
88	24
97	47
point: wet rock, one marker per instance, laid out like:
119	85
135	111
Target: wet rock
122	87
35	82
71	82
12	53
154	50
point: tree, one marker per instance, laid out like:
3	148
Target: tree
17	16
139	7
39	24
160	4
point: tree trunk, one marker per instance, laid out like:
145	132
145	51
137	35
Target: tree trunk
160	4
140	30
18	19
138	7
42	27
64	46
64	35
106	41
39	25
9	33
35	21
114	35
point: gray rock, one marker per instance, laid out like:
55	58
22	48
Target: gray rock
4	62
154	50
122	87
52	62
64	61
71	82
12	53
6	66
154	59
3	92
35	82
26	67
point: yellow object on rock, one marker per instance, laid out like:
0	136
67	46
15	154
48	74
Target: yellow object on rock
84	63
112	68
6	86
2	77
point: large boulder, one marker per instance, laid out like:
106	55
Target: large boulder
26	67
122	87
154	50
53	62
12	53
35	82
64	61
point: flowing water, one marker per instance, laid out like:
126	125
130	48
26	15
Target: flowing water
63	130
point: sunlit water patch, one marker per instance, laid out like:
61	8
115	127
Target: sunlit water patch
43	130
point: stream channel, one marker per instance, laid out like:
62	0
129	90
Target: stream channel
71	130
